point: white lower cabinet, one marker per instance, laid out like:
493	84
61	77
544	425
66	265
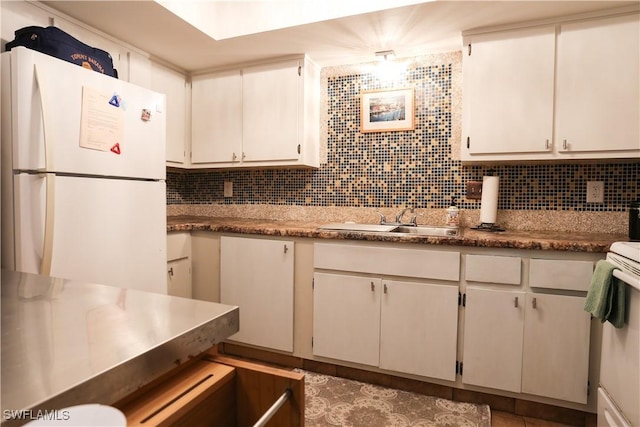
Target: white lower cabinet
401	326
257	276
346	317
555	360
179	278
418	329
527	342
179	264
493	335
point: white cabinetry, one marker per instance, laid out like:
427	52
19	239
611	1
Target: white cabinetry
566	90
346	317
173	85
263	115
493	335
555	359
418	328
19	14
399	325
530	342
179	264
508	91
257	276
216	119
598	99
271	97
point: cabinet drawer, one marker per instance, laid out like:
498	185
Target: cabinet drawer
419	263
560	274
493	269
178	245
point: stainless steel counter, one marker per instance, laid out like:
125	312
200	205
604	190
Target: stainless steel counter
66	343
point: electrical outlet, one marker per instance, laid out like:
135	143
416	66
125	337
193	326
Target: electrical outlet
595	192
228	189
474	190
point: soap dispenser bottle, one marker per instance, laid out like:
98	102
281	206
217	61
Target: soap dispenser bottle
452	218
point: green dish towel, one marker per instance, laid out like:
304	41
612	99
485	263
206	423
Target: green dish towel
606	296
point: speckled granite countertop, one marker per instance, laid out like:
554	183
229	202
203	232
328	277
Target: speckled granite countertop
575	242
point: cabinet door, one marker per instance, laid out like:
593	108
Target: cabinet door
257	276
508	91
555	362
418	329
270	107
346	317
172	84
598	107
493	336
179	278
216	118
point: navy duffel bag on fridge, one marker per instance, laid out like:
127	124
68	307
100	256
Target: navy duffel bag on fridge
55	42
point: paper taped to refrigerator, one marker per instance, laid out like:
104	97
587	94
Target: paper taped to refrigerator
101	122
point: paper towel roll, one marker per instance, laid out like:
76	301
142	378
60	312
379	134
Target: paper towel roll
489	201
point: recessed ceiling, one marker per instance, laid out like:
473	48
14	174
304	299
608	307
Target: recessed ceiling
411	30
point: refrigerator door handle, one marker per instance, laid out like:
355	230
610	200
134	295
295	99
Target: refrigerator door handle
48	150
47	250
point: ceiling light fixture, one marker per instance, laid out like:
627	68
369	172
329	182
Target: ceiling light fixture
386	55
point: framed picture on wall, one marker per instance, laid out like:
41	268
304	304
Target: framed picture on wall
387	110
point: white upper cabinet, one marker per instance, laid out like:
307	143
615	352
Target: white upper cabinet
216	119
263	115
566	90
270	104
508	91
173	85
598	93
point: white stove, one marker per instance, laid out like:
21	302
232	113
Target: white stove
619	391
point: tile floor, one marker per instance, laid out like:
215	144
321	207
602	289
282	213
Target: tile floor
504	419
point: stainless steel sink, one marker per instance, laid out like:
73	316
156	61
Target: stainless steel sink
427	230
421	230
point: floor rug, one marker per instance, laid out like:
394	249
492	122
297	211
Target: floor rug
332	401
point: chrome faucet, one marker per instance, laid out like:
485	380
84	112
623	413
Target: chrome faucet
413	220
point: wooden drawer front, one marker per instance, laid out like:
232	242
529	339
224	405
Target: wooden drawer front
419	263
178	245
560	274
493	269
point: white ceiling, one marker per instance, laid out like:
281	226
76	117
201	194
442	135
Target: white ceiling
411	30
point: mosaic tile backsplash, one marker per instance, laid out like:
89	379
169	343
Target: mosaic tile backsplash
405	168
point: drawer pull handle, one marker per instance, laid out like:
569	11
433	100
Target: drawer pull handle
385	288
373	287
516	302
286	249
171	272
534	304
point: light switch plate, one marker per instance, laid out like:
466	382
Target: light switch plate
474	190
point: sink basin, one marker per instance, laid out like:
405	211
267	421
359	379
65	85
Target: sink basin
427	230
422	230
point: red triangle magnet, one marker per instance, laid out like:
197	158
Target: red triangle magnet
116	148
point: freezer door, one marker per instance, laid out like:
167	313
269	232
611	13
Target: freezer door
73	120
107	231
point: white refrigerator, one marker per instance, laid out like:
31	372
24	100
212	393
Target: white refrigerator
83	174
